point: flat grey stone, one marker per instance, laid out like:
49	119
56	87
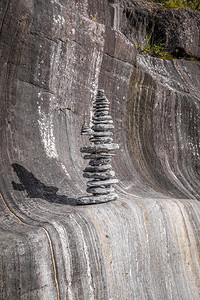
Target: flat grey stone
102	101
97	162
98	169
99	98
99	155
99	148
101	104
101	109
101	140
97	199
102	118
99	175
100	93
102	134
103	122
102	127
102	183
100	190
101	113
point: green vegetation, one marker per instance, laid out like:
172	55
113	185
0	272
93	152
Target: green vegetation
156	50
187	4
159	51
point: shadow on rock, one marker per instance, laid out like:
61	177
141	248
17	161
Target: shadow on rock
36	189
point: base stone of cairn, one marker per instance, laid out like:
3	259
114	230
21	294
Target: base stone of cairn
100	154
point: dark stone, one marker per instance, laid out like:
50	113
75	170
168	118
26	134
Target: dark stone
99	175
103	140
97	199
102	183
101	191
99	155
103	122
99	148
98	169
102	127
97	162
102	134
102	118
100	113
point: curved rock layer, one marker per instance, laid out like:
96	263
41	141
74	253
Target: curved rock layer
54	56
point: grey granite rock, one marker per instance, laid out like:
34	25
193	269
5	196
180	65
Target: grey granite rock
103	122
99	155
97	169
102	183
101	139
100	190
101	109
102	118
97	162
101	101
86	130
97	199
146	244
99	175
101	112
99	148
102	127
100	168
102	134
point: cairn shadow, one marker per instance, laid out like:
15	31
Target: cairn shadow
37	189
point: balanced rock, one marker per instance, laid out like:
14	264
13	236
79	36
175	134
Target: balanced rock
102	127
97	162
99	155
102	183
100	169
100	190
99	148
97	199
99	175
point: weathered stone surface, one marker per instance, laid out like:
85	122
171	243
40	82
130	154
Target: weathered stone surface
99	148
101	139
101	191
97	169
101	112
99	175
101	183
101	101
103	122
164	26
102	118
143	246
99	155
97	199
101	109
102	134
97	162
85	130
102	127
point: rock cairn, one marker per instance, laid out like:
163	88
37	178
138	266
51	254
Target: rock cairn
85	130
100	154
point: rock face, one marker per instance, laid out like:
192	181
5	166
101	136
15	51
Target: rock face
101	155
177	29
53	57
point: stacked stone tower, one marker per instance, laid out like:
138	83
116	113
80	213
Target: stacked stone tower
100	154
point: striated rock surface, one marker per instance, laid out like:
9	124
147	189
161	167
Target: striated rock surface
53	57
